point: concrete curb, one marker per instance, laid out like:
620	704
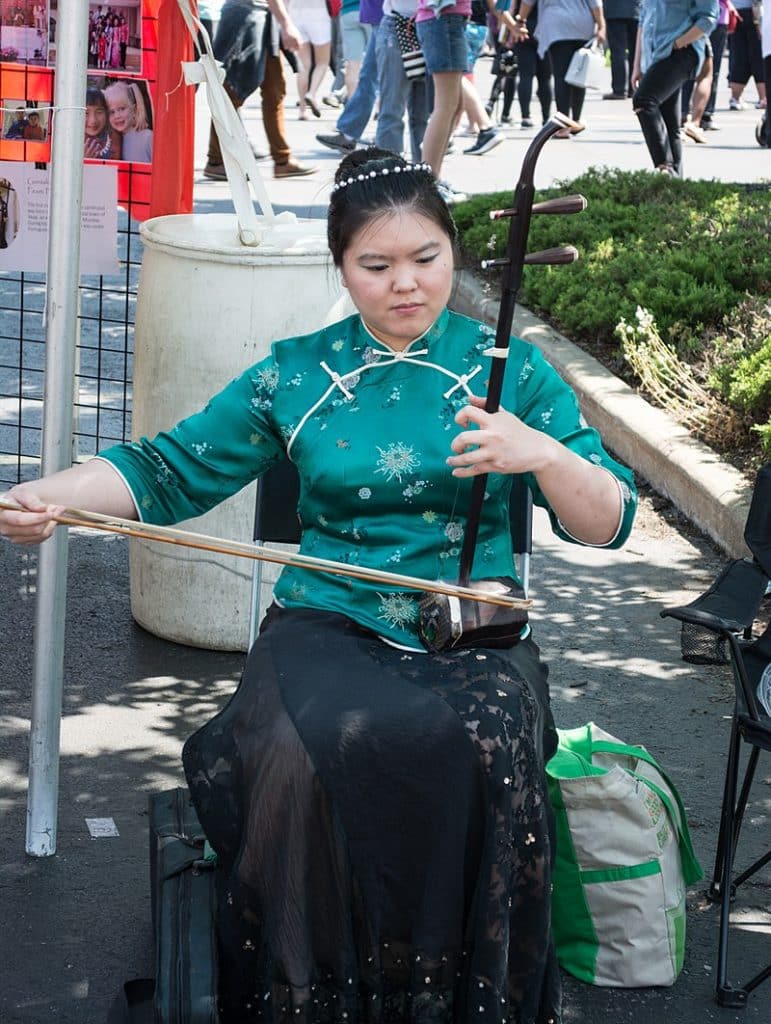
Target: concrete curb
713	495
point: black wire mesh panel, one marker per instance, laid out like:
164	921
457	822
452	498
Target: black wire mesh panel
701	646
104	361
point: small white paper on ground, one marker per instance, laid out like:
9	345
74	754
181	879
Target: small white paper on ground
102	828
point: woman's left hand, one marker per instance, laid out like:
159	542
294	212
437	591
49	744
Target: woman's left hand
501	443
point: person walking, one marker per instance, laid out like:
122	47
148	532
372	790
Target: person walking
314	26
247	44
399	92
564	26
718	39
361	102
621	18
670	50
745	56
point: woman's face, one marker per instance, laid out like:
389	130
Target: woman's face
398	270
96	119
121	111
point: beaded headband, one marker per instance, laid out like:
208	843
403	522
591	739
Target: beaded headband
382	173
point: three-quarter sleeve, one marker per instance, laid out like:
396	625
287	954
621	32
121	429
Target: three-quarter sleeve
207	457
537	394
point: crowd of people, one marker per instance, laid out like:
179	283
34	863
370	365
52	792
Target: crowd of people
412	62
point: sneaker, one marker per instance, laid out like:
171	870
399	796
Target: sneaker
506	119
292	169
614	96
216	172
694	131
526	122
449	194
338	141
709	124
487	139
735	104
331	101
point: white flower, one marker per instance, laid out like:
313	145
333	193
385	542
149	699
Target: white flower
396	460
365	493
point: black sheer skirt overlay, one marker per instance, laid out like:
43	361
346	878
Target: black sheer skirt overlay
383	831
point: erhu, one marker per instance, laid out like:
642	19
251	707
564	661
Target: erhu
446	623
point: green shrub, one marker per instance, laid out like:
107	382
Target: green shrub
696	254
687	251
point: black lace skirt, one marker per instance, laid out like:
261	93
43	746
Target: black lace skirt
383	831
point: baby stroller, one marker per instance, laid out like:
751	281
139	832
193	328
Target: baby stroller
505	68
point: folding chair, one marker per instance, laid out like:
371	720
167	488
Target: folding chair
719	621
276	522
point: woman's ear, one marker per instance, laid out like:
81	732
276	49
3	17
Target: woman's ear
343	281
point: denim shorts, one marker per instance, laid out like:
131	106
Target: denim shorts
443	42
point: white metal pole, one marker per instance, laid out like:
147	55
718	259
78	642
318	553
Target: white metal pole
62	279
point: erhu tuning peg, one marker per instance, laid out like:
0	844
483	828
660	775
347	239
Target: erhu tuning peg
562	204
557	255
499	214
503	262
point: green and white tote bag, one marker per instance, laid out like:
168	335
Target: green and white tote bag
623	861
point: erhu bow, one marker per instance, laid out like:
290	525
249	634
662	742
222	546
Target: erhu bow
445	623
202	542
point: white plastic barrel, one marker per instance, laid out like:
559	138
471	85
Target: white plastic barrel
207	308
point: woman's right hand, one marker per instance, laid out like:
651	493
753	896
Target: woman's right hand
32	526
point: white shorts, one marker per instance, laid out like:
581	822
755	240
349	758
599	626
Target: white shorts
312	23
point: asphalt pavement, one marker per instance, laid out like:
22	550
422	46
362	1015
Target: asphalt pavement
76	925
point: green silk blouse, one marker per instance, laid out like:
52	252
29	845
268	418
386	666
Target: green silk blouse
369	430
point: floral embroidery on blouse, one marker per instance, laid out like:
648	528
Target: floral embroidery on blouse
526	372
414	489
453	531
398	609
396	460
365	493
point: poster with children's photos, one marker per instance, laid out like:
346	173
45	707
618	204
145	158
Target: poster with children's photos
114	36
119	120
23	32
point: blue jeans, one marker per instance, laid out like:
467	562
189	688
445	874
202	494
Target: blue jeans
397	93
358	109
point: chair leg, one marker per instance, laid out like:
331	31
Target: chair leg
741	803
714	892
725	995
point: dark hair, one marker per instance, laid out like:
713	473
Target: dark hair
95	98
371	182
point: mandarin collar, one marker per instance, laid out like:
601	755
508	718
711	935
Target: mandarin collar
430	336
